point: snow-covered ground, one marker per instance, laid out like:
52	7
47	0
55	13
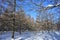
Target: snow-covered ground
55	35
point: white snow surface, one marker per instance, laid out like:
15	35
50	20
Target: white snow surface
50	5
29	35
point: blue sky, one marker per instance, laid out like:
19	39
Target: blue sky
30	8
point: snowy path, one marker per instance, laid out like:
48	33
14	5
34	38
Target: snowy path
33	36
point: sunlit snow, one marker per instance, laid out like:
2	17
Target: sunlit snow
50	5
45	35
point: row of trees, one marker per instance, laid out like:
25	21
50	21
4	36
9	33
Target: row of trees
26	22
44	20
22	21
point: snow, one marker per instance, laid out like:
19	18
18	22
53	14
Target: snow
28	35
12	39
50	5
58	4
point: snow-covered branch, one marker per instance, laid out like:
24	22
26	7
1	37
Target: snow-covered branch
52	6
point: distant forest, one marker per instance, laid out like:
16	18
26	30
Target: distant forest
14	18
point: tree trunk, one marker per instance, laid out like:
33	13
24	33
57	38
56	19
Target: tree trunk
13	30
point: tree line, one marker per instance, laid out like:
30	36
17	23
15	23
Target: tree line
22	21
44	20
26	22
